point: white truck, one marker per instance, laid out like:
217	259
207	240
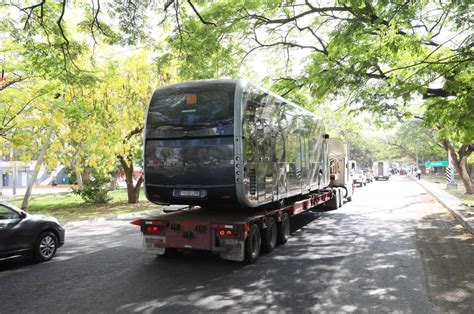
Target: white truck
340	167
381	170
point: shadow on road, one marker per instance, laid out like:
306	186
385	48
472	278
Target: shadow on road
358	259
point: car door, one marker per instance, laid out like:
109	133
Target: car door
10	235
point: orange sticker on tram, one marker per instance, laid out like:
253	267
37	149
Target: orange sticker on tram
191	99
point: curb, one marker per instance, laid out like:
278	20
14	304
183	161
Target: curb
448	204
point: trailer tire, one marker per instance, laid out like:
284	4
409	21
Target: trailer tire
269	236
343	188
253	244
341	198
333	203
283	229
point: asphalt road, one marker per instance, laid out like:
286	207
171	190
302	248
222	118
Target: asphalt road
392	249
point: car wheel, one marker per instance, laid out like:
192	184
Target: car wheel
46	247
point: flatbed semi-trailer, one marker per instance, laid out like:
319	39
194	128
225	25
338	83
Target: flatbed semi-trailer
235	234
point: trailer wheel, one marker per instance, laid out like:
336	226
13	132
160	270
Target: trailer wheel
269	236
346	192
253	244
283	229
341	198
333	203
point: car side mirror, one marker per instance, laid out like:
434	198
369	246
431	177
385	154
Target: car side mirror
22	215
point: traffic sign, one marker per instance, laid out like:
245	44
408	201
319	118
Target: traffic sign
439	163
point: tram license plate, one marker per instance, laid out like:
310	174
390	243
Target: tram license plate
190	193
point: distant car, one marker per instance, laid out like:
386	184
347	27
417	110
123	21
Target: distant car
359	177
24	234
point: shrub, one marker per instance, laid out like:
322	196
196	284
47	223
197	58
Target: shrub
94	190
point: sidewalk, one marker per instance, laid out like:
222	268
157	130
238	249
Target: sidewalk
462	213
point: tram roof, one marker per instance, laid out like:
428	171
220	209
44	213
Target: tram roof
241	82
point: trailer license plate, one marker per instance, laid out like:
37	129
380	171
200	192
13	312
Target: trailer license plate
154	242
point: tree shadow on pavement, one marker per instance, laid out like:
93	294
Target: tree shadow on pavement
334	262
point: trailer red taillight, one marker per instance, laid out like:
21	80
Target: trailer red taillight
227	233
153	229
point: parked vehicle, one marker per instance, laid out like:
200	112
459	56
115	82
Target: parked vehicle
250	159
359	178
24	234
340	167
381	170
369	175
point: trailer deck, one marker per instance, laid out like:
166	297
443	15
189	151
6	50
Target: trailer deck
235	234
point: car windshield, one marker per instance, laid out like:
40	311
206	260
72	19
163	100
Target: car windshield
11	206
6	212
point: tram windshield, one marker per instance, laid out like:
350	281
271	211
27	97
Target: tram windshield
191	108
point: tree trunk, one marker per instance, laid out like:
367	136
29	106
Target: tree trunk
466	179
39	162
460	163
133	190
79	178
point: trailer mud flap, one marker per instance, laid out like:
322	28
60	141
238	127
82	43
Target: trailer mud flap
234	250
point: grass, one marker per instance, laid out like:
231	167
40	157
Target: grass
67	206
440	182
